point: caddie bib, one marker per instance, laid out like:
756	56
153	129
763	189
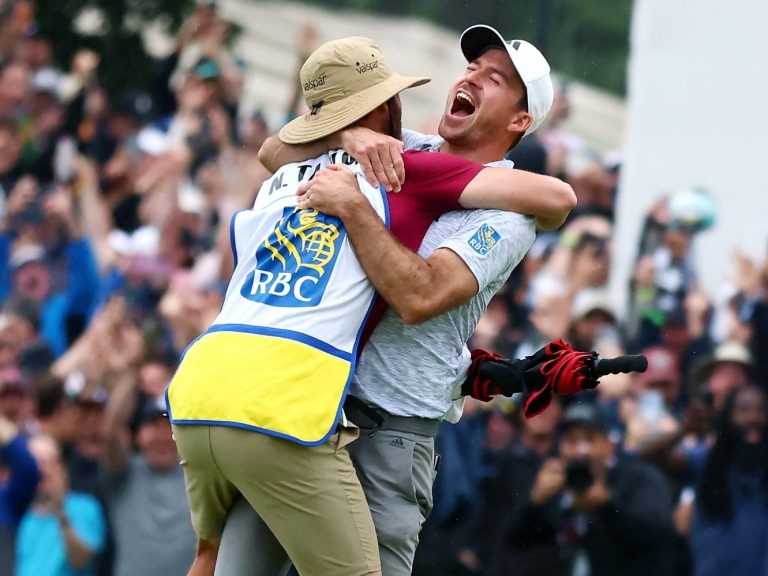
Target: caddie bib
280	355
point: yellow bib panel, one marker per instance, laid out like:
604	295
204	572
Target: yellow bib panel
260	385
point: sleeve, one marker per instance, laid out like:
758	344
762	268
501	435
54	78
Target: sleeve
5	272
22	484
88	521
82	278
413	140
491	243
437	180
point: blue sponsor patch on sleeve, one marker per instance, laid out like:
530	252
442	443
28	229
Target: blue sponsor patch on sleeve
484	239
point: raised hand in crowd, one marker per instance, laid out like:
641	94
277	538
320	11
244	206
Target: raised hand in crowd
748	278
96	216
85	63
698	311
188	309
21	210
549	481
582	256
111	346
59	209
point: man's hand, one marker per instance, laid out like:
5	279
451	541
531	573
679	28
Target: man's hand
22	196
549	481
554	369
560	370
333	191
58	207
56	488
84	65
379	155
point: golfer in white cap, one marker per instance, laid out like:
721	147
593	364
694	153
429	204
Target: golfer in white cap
256	401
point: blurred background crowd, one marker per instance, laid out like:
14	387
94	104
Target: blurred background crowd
114	254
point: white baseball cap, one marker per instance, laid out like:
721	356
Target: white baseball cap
529	62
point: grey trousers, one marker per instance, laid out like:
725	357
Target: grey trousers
396	470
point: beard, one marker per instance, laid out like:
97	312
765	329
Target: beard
395	126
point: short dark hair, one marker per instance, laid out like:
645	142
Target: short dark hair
523	102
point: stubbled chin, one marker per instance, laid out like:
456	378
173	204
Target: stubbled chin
455	123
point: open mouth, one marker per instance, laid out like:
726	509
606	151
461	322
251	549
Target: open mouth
463	105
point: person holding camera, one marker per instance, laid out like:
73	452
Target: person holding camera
590	512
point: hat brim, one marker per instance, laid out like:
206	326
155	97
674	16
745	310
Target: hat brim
477	39
333	117
702	371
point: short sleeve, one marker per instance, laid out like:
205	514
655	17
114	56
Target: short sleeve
413	140
87	520
437	180
491	243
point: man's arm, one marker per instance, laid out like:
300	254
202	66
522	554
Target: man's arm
19	490
548	199
121	405
379	155
81	522
417	289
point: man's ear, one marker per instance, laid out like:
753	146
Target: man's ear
520	122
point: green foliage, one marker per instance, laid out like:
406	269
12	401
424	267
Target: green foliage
118	42
584	39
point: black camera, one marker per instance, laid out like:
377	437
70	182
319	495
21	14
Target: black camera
601	243
578	476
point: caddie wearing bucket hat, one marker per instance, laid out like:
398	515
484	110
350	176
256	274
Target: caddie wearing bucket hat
409	374
342	82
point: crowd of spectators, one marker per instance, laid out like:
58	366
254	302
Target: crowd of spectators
114	253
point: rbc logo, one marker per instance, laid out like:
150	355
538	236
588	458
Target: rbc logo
484	240
294	263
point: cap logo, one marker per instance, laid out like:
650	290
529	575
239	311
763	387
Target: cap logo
315	83
316	107
516	44
484	239
366	67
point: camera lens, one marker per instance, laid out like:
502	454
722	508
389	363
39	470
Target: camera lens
578	476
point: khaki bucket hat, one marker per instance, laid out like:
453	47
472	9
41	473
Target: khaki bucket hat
343	80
